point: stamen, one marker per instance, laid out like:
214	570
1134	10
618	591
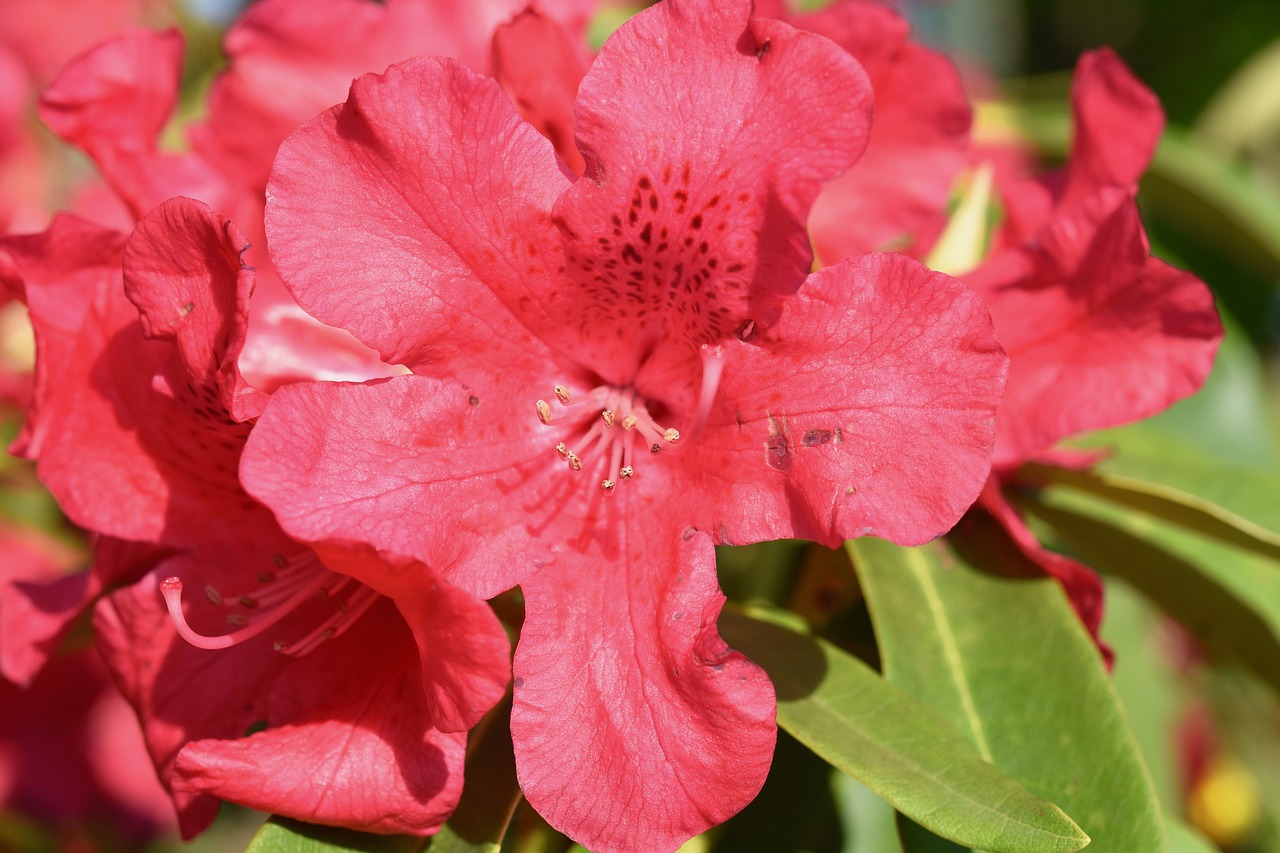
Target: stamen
608	417
607	485
562	394
671	434
574	462
562	449
544	412
625	472
629	422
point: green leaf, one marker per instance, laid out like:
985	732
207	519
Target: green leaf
1227	596
285	835
916	839
844	711
1004	659
1168	503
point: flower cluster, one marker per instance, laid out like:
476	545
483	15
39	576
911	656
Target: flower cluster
342	373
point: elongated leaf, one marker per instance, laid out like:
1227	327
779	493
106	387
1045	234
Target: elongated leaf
916	839
844	711
1228	597
1004	660
1165	502
285	835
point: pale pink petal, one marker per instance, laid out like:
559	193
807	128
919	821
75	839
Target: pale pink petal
634	725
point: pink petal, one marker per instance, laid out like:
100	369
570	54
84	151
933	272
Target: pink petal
348	739
413	468
421	243
867	410
290	59
539	66
1117	122
706	135
1098	333
184	270
57	274
634	725
113	102
463	648
919	140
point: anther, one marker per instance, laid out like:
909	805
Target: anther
544	412
562	394
574	462
655	448
562	450
629	422
626	472
213	595
608	417
672	434
607	485
237	620
248	601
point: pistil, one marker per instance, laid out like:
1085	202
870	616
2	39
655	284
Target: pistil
279	594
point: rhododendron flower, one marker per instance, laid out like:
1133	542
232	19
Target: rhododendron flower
1098	332
139	434
611	374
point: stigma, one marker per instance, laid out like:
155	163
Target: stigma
288	586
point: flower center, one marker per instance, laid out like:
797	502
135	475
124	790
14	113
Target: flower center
276	594
606	423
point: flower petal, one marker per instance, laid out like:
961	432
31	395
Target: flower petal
539	67
867	410
290	59
634	725
184	270
1098	333
421	242
347	740
706	134
113	101
1117	122
919	140
412	467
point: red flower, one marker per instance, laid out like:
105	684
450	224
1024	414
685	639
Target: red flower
613	372
139	436
1098	332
